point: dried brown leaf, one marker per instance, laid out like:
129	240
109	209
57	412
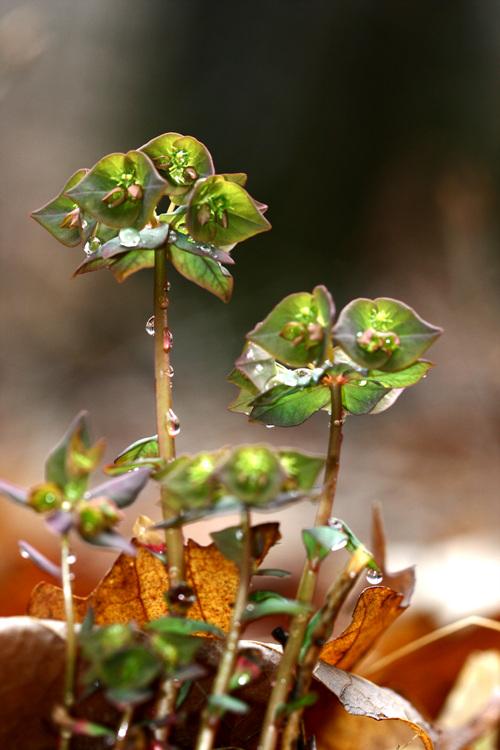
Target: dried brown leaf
134	587
376	609
397	721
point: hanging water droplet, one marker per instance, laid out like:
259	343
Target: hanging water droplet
24	553
173	424
342	542
170	371
373	577
270	426
169	286
336	523
92	246
338	422
71	559
150	326
205	249
129	237
168	340
239	534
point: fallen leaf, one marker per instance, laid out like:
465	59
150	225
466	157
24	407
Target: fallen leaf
426	669
342	721
375	610
134	587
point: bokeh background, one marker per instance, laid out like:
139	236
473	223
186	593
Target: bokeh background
373	132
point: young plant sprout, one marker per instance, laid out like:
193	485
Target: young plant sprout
301	359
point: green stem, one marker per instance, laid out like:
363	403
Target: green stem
70	661
210	720
335	597
166	438
122	731
307	585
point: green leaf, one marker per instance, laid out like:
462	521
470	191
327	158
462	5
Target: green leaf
129	238
61	216
230	541
383	334
325	304
94	262
221	703
182	626
257	365
222	212
131	669
321	540
253	474
361	396
56	465
301	468
107	190
286	406
146	447
185	242
303	702
175	156
130	262
205	272
239	177
403	378
294	330
275	604
243	402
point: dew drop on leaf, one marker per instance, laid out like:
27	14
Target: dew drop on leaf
336	523
173	424
92	246
129	237
172	237
150	326
270	426
373	577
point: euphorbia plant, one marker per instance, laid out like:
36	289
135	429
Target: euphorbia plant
299	360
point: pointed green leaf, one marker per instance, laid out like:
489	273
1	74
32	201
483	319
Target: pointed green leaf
361	396
183	626
325	304
239	177
272	573
284	406
222	212
230	541
403	378
242	404
130	669
122	490
146	447
192	480
121	190
180	159
221	703
274	605
56	465
383	334
302	469
205	272
61	216
321	540
130	262
93	262
185	242
293	331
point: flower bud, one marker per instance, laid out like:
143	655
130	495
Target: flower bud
45	498
135	192
114	197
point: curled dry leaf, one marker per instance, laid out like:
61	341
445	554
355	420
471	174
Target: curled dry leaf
397	721
134	587
376	609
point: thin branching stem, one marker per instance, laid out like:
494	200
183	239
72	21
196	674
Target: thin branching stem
307	586
210	719
335	597
69	614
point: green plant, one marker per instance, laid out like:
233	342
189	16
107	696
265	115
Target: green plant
299	360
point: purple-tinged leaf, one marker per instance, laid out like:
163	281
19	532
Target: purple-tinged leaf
113	540
124	489
13	492
28	552
60	522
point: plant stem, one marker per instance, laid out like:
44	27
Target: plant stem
166	441
70	661
307	585
210	720
335	597
122	731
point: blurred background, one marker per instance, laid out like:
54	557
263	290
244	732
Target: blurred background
372	130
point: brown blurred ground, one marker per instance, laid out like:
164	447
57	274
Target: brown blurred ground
373	134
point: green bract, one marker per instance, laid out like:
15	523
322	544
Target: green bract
181	160
62	217
121	190
222	212
383	334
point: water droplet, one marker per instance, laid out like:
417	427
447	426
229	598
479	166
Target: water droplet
239	534
173	424
168	340
342	542
270	426
172	237
84	224
205	249
259	368
24	553
92	246
338	422
71	559
170	371
363	382
169	286
150	326
129	237
181	596
302	376
373	576
224	270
